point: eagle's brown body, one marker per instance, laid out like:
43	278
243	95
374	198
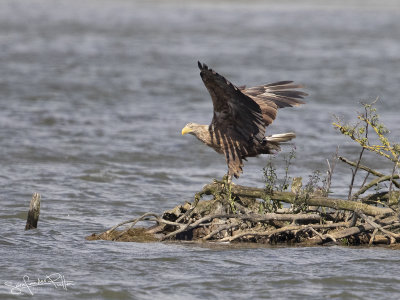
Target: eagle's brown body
210	137
241	116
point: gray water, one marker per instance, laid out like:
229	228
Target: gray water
93	95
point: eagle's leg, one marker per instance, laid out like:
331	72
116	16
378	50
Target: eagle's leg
227	180
226	184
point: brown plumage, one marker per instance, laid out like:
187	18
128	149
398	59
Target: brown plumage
241	116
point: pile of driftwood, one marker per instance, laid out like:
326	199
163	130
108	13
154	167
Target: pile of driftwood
238	214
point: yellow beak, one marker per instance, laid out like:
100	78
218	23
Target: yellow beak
186	129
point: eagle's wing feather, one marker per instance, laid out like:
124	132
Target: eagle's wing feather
233	155
232	108
233	149
275	95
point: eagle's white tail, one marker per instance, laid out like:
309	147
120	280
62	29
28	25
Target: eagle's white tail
281	137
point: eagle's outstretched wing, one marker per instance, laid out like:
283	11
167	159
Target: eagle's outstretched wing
275	95
232	108
237	121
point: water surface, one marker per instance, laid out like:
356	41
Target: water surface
93	95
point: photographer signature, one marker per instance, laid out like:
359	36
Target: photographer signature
28	286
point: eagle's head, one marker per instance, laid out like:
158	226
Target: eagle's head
191	128
201	132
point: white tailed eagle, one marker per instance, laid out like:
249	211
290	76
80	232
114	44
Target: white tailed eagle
241	116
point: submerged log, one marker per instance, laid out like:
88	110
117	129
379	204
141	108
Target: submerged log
33	213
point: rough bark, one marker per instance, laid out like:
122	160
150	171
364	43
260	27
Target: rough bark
289	197
33	213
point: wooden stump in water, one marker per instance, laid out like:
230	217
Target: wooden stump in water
34	211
